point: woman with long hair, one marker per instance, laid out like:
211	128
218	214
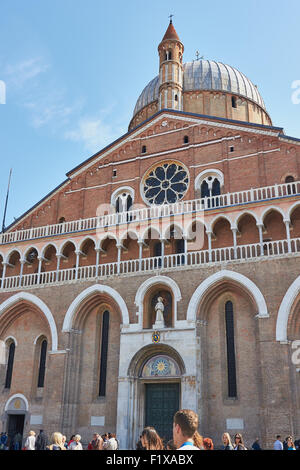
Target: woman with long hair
239	442
198	441
151	440
56	442
227	445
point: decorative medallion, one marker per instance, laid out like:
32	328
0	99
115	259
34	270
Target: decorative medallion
155	337
160	366
167	183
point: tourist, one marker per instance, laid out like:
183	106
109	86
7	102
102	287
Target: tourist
278	444
238	442
56	442
64	439
96	443
198	440
290	443
208	444
3	441
256	445
111	443
17	441
227	445
185	425
139	445
30	441
170	445
71	440
150	439
41	441
76	444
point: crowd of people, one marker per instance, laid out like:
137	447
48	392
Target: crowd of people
185	437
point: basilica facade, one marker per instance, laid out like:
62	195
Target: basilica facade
163	273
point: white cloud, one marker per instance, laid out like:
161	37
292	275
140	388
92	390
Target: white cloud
18	74
94	133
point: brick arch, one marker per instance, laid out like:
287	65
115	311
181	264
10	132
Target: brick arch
90	292
18	301
234	277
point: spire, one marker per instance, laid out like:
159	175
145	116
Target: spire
171	32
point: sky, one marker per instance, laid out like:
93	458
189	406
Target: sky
74	69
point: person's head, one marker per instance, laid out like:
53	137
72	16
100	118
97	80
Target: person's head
64	438
171	445
198	440
77	438
41	430
289	441
238	439
31	433
226	439
72	437
208	444
185	424
278	437
56	439
96	435
151	440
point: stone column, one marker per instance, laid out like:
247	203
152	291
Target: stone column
260	230
288	235
22	262
209	235
40	258
119	258
234	232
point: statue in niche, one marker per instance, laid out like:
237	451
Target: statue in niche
166	311
159	309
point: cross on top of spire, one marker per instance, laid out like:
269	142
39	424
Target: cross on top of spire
171	16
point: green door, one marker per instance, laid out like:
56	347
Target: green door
162	402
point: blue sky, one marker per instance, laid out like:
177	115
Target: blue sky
73	70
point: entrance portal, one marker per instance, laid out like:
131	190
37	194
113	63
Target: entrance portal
162	402
15	426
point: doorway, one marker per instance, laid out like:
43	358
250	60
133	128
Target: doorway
15	426
162	402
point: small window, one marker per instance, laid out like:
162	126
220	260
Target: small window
233	102
114	173
42	366
144	149
186	139
289	179
176	97
231	149
61	220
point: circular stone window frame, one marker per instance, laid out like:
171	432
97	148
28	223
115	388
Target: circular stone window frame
152	168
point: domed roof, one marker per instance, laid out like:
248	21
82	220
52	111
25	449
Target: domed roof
206	75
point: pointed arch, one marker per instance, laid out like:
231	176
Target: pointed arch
226	275
97	288
33	299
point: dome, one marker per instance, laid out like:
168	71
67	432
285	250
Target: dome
206	75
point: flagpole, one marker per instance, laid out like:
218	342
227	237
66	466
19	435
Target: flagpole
5	209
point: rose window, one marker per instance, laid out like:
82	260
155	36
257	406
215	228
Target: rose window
165	184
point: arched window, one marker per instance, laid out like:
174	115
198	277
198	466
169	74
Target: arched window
233	102
168	55
10	364
42	366
231	366
210	185
103	357
291	189
144	149
186	139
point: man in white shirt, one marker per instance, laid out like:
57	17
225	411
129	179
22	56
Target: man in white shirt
278	444
185	425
